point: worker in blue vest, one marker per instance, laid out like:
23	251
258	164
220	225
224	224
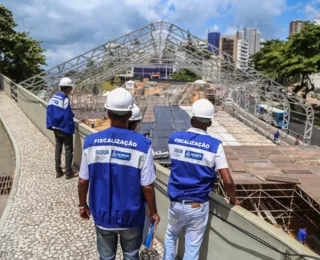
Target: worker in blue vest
195	156
276	136
117	170
302	235
60	120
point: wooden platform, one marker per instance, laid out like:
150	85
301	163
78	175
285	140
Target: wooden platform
276	164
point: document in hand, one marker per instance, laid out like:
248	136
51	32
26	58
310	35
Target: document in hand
150	237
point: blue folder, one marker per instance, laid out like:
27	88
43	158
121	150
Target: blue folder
150	237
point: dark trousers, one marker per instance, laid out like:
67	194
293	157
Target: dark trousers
66	140
130	241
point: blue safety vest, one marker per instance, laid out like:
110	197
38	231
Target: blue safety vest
59	117
302	235
115	158
192	166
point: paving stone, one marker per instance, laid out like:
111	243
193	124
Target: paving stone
43	222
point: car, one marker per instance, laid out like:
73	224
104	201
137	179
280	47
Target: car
228	102
161	154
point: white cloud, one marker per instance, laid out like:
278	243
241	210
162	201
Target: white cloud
231	31
192	12
312	10
258	14
69	28
80	23
214	28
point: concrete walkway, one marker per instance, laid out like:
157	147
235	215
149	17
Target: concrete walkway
43	222
232	132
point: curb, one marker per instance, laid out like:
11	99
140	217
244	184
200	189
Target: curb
16	176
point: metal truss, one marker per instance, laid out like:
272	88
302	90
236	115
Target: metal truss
162	44
279	204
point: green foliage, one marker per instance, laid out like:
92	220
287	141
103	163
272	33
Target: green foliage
20	55
302	54
297	58
269	59
108	86
185	75
90	64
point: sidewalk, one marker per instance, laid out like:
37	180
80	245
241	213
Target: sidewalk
43	222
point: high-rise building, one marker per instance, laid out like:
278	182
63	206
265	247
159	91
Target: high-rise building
228	44
242	54
317	21
296	26
237	48
214	39
253	37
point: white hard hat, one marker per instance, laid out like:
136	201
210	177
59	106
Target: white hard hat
66	82
119	100
136	114
202	108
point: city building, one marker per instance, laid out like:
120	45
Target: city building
228	44
237	48
242	54
317	21
214	39
253	37
296	26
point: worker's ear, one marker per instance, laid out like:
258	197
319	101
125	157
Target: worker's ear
129	114
209	123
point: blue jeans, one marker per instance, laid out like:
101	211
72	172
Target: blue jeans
195	220
130	240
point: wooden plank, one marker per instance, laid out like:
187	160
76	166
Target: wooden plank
237	166
282	179
297	171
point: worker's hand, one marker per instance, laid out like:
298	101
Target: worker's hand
85	213
155	217
235	202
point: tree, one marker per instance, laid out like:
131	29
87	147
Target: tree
185	75
298	58
90	64
269	59
302	56
20	55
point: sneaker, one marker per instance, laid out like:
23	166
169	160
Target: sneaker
72	175
59	173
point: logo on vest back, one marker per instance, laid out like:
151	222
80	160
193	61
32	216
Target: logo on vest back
177	152
193	155
120	155
102	152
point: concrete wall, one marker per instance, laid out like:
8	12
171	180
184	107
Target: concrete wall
224	241
5	84
316	80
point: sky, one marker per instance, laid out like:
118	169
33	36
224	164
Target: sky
69	28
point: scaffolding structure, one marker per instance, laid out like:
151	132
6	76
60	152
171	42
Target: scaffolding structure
164	44
283	205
